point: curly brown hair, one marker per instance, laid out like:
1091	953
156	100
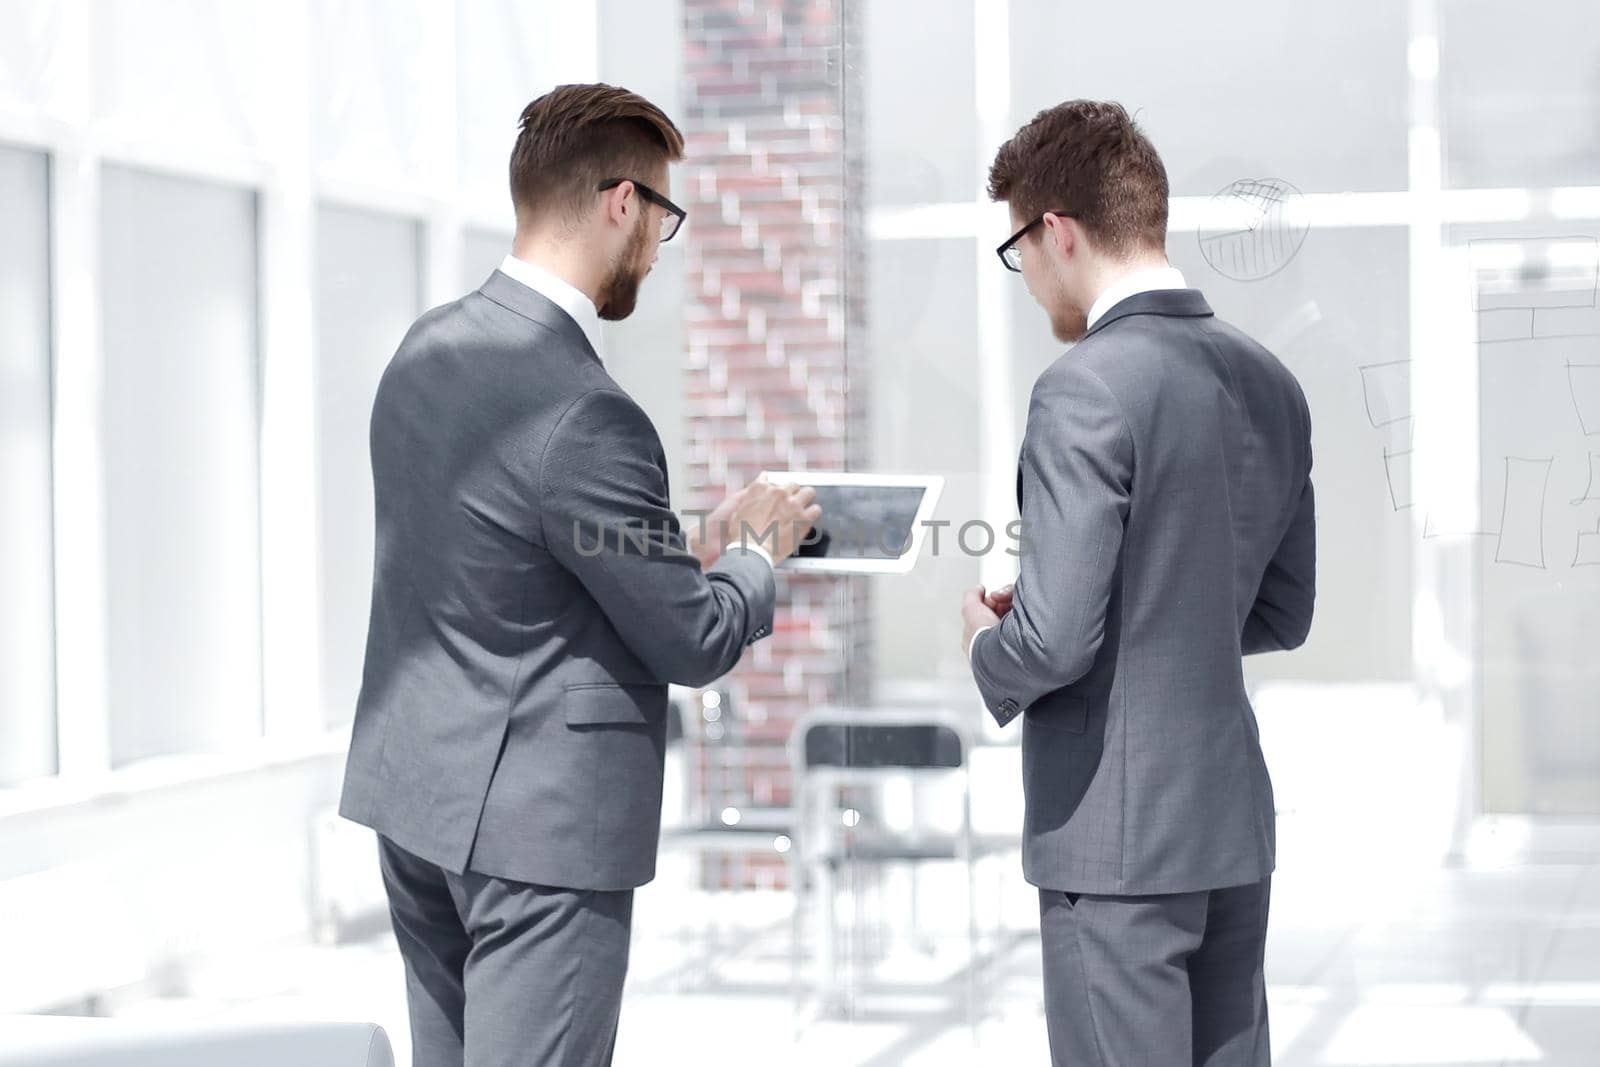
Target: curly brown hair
1087	158
576	136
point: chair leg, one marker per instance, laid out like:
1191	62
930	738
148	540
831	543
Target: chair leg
974	959
919	941
826	936
797	886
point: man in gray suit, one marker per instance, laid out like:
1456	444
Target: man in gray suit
532	597
1167	531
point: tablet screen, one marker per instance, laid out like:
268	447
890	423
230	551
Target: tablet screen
863	522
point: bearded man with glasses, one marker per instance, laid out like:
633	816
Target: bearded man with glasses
532	598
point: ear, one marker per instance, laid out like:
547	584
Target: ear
1064	233
619	204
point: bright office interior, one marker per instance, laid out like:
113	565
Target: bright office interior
218	219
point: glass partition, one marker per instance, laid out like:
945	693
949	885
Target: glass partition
27	622
1400	200
369	290
178	263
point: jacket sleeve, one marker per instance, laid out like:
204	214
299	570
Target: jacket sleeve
1280	618
1077	479
605	516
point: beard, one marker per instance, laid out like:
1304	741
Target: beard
1068	321
620	293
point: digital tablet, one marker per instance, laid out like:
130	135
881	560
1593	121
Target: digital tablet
870	524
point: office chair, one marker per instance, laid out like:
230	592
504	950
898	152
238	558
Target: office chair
846	748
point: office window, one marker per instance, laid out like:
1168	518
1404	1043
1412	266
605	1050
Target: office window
184	71
179	342
922	388
1519	117
1538	469
1327	322
27	618
368	293
481	253
498	48
370	98
29	77
917	153
1310	93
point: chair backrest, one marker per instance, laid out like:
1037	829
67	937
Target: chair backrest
867	740
844	747
910	746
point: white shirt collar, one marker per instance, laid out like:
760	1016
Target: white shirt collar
563	294
1140	281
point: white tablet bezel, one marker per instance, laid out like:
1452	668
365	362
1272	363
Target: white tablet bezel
932	485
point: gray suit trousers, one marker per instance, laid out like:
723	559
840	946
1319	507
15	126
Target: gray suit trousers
501	972
1156	981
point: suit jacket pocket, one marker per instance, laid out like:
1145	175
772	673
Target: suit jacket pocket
613	704
1060	758
1061	712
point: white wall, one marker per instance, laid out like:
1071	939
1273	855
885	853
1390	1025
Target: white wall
217	174
27	637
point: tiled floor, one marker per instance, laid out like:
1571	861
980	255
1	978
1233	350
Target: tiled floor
1365	968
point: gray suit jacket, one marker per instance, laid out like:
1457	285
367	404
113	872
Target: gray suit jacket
512	717
1167	530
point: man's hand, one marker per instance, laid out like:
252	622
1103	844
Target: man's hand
776	517
976	613
715	530
999	601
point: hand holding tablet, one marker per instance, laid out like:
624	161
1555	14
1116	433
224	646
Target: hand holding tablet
870	523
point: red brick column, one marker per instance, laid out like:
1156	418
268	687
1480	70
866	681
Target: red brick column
773	188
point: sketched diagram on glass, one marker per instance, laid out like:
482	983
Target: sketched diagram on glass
1583	379
1267	225
1534	288
1592	490
1530	289
1588	552
1386	388
1386	392
1522	512
1520	536
1397	470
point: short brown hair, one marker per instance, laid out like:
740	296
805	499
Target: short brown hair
576	136
1090	159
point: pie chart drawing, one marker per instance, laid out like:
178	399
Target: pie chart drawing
1266	233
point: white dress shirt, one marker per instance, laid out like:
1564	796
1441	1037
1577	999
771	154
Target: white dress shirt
1148	280
576	303
755	550
560	292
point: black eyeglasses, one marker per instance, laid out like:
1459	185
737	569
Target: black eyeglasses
1010	255
674	214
